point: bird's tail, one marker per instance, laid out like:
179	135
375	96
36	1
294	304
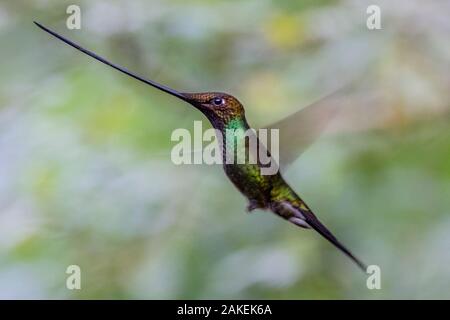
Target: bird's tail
305	219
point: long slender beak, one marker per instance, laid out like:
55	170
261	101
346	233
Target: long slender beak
117	67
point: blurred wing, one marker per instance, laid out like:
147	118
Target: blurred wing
300	129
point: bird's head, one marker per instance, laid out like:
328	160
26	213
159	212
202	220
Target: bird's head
216	106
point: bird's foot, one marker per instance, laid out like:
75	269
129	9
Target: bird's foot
252	205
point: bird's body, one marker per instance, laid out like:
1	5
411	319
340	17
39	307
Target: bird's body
263	191
267	192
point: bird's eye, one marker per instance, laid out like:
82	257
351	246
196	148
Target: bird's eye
218	101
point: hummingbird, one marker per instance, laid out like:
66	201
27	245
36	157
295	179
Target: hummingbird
265	192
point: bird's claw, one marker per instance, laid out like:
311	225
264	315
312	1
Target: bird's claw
252	205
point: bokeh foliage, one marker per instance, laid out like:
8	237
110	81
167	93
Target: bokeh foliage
85	170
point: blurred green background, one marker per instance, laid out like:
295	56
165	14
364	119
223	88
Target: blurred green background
85	170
